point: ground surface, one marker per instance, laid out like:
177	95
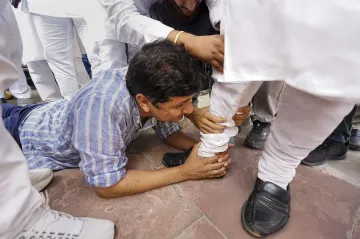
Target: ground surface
325	200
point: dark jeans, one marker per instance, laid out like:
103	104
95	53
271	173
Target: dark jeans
14	115
343	131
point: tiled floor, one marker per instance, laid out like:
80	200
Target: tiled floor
323	206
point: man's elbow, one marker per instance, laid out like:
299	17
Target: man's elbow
105	192
116	191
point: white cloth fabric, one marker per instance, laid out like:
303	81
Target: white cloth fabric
57	37
18	199
97	33
32	47
33	57
133	27
226	99
19	88
312	45
293	135
303	123
44	80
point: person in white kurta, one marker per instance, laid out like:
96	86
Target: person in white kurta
33	57
56	34
314	47
24	212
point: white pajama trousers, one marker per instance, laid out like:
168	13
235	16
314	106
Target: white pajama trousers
19	88
56	36
44	80
19	201
302	123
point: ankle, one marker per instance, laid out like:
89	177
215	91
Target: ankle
281	184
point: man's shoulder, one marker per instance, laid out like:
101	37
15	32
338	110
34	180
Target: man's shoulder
110	84
107	90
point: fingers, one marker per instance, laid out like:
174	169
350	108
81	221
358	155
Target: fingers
221	46
195	149
214	119
218	172
212	127
240	117
208	130
246	109
224	158
218	158
221	175
216	166
217	65
222	153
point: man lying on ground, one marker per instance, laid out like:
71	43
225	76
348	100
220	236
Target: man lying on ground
93	130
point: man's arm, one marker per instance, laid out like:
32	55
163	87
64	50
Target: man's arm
195	167
131	26
180	141
134	28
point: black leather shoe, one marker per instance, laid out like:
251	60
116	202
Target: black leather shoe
176	159
258	135
330	149
267	209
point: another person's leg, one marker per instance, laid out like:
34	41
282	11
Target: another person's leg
302	123
226	99
19	202
80	27
24	212
82	33
335	146
44	80
56	36
354	142
20	89
265	104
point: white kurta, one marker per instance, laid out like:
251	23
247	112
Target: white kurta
33	49
314	45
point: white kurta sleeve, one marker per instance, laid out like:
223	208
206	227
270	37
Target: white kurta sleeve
215	8
131	25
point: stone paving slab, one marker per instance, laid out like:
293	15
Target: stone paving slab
323	207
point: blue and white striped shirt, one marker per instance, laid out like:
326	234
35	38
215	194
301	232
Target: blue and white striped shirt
91	131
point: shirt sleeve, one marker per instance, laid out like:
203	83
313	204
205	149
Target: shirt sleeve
98	136
131	25
165	129
215	8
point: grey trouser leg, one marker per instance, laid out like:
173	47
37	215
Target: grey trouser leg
265	102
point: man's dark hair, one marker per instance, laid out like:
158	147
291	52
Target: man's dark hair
161	70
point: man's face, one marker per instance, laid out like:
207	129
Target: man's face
188	7
173	110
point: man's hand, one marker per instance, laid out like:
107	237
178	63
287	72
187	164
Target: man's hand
196	167
209	49
206	122
241	115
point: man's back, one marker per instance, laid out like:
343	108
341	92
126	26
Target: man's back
53	134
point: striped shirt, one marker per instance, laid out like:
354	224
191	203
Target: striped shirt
91	131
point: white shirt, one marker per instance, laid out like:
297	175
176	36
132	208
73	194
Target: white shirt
314	45
134	27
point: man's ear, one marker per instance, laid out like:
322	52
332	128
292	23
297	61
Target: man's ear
143	102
